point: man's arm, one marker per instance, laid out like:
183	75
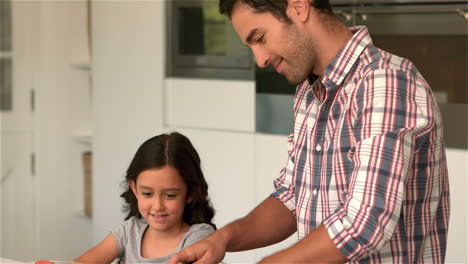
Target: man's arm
317	247
268	223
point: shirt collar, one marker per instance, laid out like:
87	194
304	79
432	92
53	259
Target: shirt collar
312	78
345	59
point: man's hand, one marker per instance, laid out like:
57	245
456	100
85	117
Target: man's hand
252	231
207	251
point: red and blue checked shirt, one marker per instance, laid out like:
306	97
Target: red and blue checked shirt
367	159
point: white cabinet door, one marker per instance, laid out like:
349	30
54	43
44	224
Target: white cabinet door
210	104
19	118
18	215
17	197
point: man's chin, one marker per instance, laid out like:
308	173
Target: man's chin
294	81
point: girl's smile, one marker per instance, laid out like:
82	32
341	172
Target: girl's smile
159	218
162	195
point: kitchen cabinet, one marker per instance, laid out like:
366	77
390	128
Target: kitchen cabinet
210	104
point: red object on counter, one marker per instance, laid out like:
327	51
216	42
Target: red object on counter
43	262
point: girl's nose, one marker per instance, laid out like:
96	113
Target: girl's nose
158	203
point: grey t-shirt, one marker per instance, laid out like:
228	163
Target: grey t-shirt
129	236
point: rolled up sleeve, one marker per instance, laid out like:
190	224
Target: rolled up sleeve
284	187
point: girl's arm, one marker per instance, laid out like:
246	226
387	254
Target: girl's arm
104	252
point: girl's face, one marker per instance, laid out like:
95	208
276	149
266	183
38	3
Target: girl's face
161	195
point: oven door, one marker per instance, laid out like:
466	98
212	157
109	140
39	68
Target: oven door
203	43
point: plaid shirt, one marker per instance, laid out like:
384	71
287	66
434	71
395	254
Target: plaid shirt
367	159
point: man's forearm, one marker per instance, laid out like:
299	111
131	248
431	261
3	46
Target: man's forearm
317	247
267	224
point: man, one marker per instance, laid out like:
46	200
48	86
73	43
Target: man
366	179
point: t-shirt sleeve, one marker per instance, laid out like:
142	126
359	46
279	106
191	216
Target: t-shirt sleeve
120	233
197	233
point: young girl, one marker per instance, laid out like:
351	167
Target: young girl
167	203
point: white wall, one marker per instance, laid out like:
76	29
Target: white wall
457	248
48	37
128	69
17	183
61	94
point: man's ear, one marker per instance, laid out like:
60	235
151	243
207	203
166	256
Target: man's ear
298	10
133	187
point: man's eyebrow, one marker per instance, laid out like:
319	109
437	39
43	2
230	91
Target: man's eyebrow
252	33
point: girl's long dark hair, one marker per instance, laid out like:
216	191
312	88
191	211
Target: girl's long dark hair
177	151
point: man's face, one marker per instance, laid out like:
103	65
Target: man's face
273	42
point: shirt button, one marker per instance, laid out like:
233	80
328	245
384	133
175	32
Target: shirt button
318	148
314	192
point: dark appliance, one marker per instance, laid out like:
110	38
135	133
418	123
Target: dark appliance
203	44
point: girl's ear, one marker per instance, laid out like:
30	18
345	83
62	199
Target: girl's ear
133	187
188	199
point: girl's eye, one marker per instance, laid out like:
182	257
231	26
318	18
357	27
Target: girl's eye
171	195
146	194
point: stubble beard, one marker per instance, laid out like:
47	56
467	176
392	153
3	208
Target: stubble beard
302	58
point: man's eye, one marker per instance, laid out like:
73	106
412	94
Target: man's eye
260	39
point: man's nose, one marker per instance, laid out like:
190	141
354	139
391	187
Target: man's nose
262	58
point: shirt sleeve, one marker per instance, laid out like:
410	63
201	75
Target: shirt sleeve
120	233
284	187
285	183
200	231
392	113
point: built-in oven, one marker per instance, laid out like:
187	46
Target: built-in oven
203	44
432	34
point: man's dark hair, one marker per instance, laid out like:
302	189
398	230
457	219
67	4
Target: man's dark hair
276	7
